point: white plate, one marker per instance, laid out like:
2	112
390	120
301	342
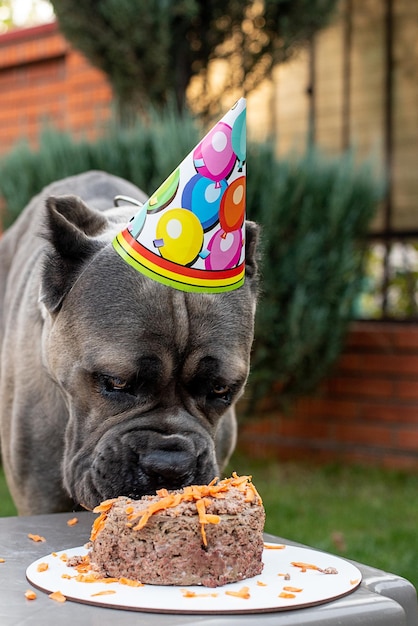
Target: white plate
315	587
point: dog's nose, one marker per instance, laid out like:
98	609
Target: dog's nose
170	465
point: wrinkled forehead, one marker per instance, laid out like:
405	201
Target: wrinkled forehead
116	308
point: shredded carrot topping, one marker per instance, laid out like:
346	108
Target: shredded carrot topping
57	596
261	584
285	594
36	537
98	525
84	566
30	595
129	582
108	592
109	580
293	589
191	493
244	593
42	567
192	594
276	546
304	566
105	506
2	560
73	521
92	577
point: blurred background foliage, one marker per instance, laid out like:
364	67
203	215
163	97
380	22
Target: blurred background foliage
153	51
314	215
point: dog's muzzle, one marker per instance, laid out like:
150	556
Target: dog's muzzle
139	462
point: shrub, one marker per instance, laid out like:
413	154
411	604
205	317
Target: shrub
144	154
314	215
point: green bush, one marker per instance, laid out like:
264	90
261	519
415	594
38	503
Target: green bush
144	154
314	215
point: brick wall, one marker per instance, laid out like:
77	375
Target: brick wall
44	81
366	411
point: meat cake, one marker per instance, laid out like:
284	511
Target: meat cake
201	535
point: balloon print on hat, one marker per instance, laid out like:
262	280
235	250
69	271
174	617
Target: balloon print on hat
165	193
203	198
239	138
214	156
179	236
190	234
158	201
136	224
232	209
225	250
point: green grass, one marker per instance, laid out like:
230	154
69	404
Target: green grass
366	514
6	503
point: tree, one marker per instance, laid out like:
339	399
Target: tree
151	49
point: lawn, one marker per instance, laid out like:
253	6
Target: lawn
6	504
365	514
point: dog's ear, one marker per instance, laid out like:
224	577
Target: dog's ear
70	228
252	231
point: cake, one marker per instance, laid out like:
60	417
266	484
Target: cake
200	535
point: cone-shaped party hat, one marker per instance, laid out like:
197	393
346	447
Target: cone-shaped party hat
190	232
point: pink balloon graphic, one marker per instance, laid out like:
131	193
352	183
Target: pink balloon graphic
214	157
225	250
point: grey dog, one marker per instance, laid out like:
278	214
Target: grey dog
110	383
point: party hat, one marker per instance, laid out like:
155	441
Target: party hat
190	232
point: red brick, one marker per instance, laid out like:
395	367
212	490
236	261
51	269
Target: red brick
382	337
259	427
368	336
395	364
326	407
390	412
364	434
360	386
400	462
407	389
303	429
408	439
406	337
58	85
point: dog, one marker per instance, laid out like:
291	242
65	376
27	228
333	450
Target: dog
110	383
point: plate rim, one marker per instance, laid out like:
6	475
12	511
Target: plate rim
97	602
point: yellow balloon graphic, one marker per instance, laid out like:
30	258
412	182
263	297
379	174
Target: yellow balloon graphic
181	235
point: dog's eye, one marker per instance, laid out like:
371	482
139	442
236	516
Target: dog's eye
112	383
221	392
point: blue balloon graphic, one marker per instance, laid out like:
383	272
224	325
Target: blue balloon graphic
136	224
239	138
203	198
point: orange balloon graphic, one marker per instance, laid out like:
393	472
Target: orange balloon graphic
232	209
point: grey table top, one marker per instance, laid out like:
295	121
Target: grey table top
382	599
